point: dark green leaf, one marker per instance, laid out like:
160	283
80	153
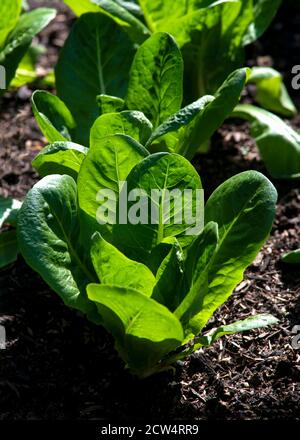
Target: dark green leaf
292	257
159	253
209	35
263	13
212	115
8	248
95	60
198	257
176	122
135	28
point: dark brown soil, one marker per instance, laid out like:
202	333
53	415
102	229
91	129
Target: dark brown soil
59	366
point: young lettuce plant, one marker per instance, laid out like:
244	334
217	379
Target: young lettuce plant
152	285
158	96
211	34
151	112
16	33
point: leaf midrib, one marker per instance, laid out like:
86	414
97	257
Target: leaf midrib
99	64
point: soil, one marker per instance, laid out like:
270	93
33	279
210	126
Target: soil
57	365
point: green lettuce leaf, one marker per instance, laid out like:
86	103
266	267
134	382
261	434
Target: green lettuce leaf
244	209
168	289
196	270
8	248
144	330
155	84
278	143
135	28
292	257
60	158
162	172
54	249
106	167
53	117
105	54
20	38
110	104
254	322
271	92
9	209
130	123
113	268
10	11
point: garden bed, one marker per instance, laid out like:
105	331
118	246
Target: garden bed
57	365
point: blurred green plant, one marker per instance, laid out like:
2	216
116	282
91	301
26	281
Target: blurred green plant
16	33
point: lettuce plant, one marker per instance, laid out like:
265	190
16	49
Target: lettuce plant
211	34
151	111
150	284
17	31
